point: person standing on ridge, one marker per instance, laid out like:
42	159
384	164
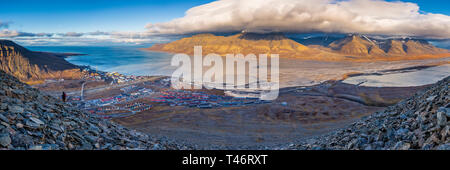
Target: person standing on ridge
64	96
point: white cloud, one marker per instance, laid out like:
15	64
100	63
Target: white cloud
71	34
8	33
350	16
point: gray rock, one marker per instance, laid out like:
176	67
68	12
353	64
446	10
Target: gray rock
431	98
444	147
21	140
37	121
31	124
5	140
91	139
19	125
441	119
445	110
156	147
37	147
15	109
86	146
3	106
401	131
402	146
427	147
3	118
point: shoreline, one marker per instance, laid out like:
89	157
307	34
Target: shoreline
330	56
400	70
391	67
160	120
62	54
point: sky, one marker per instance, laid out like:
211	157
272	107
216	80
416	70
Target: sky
72	22
61	16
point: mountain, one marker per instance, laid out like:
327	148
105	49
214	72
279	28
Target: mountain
330	48
244	43
30	66
357	45
360	45
395	47
419	122
31	120
410	47
415	47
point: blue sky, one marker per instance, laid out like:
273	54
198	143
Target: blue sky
126	20
116	15
90	15
433	6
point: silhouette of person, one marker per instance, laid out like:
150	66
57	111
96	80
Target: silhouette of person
64	96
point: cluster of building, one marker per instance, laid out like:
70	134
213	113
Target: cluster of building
126	103
202	100
116	111
138	107
120	78
127	96
114	77
162	83
112	115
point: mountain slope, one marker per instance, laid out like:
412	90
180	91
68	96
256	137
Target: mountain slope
351	48
28	65
357	45
244	43
395	47
420	122
362	46
32	120
417	47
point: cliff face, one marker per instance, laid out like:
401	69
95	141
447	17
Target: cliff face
244	43
27	65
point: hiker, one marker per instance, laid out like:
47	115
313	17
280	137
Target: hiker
64	96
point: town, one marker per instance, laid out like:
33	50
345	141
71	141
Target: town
142	97
113	77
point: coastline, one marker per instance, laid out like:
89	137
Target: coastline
399	70
299	72
318	54
159	123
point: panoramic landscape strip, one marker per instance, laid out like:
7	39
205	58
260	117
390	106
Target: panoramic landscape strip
249	77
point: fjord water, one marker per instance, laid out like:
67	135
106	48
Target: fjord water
131	60
128	60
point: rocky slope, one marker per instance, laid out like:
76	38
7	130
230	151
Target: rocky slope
420	122
28	65
244	43
32	120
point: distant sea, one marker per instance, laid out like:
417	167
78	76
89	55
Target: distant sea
128	60
131	60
